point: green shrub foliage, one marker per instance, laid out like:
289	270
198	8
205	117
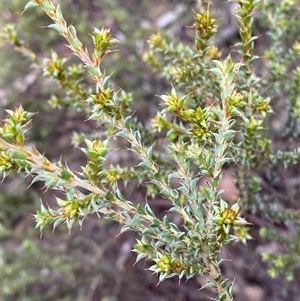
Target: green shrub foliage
217	113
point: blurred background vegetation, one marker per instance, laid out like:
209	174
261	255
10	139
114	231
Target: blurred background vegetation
94	263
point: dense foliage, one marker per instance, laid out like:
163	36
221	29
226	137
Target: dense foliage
216	115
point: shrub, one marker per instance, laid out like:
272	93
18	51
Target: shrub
217	114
